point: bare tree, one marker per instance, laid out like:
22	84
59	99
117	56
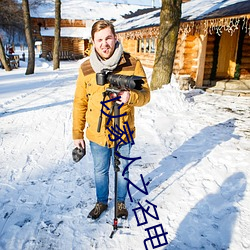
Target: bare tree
28	33
11	16
168	34
3	57
56	59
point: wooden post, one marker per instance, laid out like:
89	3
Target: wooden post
201	60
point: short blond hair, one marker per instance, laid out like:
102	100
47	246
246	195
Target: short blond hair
100	25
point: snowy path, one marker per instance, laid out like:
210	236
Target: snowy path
194	152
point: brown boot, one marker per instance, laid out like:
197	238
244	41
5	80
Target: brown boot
122	211
97	210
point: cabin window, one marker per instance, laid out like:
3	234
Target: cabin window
140	45
152	45
146	45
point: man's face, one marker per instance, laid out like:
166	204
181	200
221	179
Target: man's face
104	42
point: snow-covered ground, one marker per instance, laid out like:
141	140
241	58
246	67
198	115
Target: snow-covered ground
194	150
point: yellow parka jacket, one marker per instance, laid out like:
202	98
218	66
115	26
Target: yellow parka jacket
88	97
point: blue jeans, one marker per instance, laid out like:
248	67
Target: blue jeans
103	157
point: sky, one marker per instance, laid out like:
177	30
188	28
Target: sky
194	149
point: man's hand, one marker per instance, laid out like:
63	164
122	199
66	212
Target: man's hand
79	143
124	97
79	151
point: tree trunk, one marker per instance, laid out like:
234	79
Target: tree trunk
28	33
3	57
168	34
56	59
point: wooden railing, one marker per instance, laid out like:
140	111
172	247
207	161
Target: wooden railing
64	55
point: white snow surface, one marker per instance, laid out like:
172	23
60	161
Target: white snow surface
194	150
81	32
86	10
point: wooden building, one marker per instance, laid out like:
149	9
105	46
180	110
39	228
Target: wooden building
75	36
212	45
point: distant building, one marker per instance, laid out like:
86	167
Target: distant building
75	36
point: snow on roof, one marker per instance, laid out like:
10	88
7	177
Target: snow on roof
145	20
85	10
79	32
197	9
192	10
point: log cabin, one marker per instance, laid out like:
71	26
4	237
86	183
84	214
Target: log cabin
74	37
213	41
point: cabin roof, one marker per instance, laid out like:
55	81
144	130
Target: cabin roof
208	9
140	21
193	10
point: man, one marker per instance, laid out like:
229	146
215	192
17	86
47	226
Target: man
107	54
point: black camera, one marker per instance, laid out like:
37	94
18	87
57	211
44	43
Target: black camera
121	82
78	153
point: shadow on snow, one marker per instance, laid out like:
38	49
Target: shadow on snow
209	225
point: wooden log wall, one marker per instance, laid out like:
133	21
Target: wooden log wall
178	61
131	46
66	44
245	60
190	56
185	59
146	59
79	46
186	55
209	57
50	22
73	45
47	45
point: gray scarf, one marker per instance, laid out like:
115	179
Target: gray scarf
98	64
